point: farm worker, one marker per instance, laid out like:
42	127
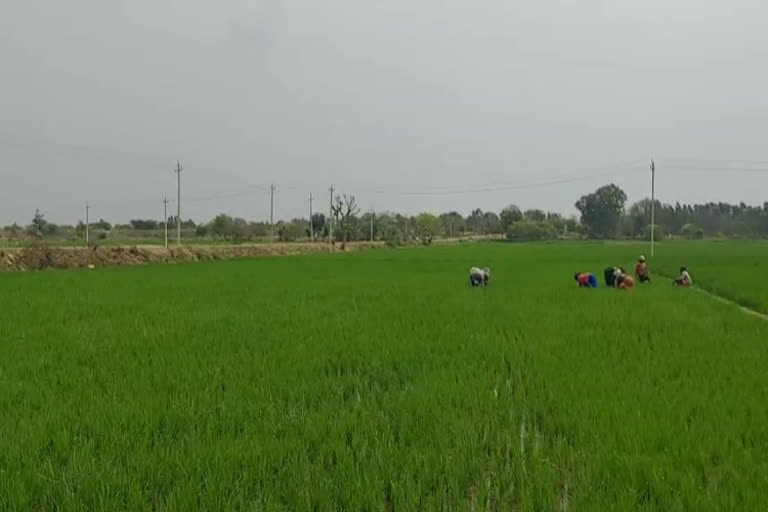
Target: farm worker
479	277
685	278
611	273
626	282
622	280
641	271
586	280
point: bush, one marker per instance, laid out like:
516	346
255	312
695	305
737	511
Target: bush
291	231
692	231
660	233
526	231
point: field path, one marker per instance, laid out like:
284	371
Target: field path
722	299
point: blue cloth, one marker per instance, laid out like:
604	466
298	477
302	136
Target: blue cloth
593	281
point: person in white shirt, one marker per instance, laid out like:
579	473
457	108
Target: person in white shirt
479	277
685	278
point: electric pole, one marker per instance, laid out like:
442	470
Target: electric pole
330	230
311	226
653	208
178	202
272	213
87	223
372	225
165	216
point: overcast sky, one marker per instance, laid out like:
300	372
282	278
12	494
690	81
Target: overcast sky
410	105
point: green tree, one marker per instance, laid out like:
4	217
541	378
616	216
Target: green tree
389	229
319	225
102	224
476	221
427	227
221	226
509	216
535	215
601	211
80	229
491	223
144	224
291	231
453	223
528	230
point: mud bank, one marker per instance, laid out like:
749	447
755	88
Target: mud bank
44	257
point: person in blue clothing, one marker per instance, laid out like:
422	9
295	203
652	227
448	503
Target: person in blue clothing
586	280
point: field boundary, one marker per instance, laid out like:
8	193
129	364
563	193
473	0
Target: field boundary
725	300
43	257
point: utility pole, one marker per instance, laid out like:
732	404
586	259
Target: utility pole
272	213
178	202
87	223
372	225
406	229
653	208
330	230
165	216
311	226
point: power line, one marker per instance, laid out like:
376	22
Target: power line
521	186
20	140
681	167
401	189
225	195
712	160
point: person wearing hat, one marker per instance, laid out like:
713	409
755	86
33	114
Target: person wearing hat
641	271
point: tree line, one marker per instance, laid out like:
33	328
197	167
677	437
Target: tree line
603	214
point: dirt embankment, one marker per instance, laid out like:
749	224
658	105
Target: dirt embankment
43	257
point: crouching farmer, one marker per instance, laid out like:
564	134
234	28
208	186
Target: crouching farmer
641	271
586	280
625	282
684	279
479	277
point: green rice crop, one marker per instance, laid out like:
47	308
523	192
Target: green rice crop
380	381
733	270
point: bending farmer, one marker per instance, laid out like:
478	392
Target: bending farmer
478	277
586	280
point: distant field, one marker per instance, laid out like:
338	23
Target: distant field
382	381
734	270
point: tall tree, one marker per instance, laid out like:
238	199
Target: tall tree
476	221
509	215
318	223
344	210
491	223
601	210
427	227
453	223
